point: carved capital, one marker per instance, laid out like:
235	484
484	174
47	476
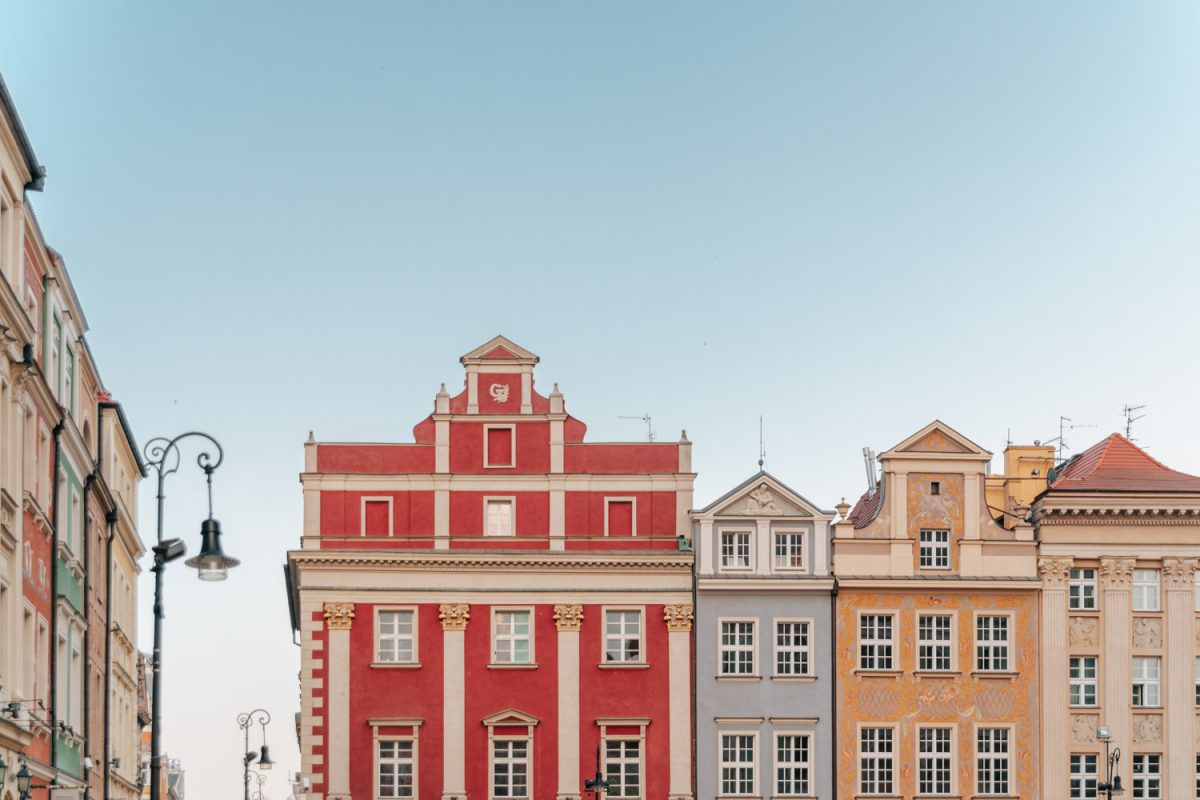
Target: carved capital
1116	572
339	616
1054	571
1179	573
454	616
678	618
568	617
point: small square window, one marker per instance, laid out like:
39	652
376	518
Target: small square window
498	517
935	487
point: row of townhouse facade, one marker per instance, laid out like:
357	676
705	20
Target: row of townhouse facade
502	610
69	547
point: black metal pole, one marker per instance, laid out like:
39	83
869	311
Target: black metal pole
246	722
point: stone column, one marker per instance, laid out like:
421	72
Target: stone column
454	617
1116	663
1179	582
338	619
1056	733
679	655
569	620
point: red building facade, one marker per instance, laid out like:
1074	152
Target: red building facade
497	609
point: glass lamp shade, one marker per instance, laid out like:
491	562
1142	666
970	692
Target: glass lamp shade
3	771
264	760
212	564
24	779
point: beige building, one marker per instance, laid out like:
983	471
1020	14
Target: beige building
1119	542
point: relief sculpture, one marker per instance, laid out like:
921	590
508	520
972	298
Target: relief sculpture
1147	633
1083	632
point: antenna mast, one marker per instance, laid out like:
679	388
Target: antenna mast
762	444
649	425
1064	424
1129	412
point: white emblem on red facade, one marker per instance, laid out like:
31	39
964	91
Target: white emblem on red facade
499	392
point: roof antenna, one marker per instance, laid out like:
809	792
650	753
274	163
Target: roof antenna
649	429
1129	412
1064	424
762	445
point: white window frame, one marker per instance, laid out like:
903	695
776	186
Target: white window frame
1080	580
994	646
623	636
1197	593
892	773
1142	587
950	644
391	504
790	535
1084	682
413	637
512	447
737	647
807	649
1198	681
935	546
996	762
632	512
639	742
1087	772
951	767
1151	685
807	765
1146	785
722	764
876	643
735	533
512	638
488	500
510	739
414	761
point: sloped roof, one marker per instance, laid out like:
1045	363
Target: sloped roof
1116	464
867	508
756	478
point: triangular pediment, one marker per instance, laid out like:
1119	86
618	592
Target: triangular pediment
763	496
938	438
509	716
500	348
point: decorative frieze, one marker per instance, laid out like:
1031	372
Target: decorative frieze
1147	729
678	618
1084	632
1116	573
1147	633
1179	573
454	616
339	616
568	617
1083	728
1054	572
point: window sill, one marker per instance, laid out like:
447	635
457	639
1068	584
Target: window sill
624	665
797	679
512	666
1093	707
499	466
937	797
995	675
878	797
879	673
995	797
739	679
1145	708
395	665
936	673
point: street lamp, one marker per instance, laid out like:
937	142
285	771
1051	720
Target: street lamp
1112	785
24	779
260	779
212	564
599	784
258	716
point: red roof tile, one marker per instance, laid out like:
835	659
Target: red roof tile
866	509
1116	464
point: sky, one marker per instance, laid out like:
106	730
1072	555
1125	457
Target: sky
846	218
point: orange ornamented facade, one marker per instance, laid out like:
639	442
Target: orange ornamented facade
937	632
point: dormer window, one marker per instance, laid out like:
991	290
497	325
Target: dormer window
789	550
935	549
735	550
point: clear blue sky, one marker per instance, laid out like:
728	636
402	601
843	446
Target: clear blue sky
849	218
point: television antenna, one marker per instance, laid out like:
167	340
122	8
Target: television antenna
762	444
1129	412
649	425
1064	424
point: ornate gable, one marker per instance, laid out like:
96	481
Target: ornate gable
510	717
763	496
937	437
499	348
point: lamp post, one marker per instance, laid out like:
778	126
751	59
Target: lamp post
258	716
1112	784
260	779
212	565
599	784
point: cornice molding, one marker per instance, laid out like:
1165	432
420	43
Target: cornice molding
462	561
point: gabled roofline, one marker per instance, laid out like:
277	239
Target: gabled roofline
758	476
37	173
521	355
896	451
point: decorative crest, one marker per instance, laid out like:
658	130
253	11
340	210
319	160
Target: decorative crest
568	617
339	616
454	616
678	618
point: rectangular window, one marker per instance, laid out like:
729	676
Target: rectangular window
1082	589
1145	590
737	764
1081	675
1147	776
69	382
498	448
1198	777
397	640
875	641
396	768
1198	682
991	761
1083	776
789	550
737	648
933	761
735	550
793	764
991	643
792	651
875	761
623	636
499	517
513	638
1146	671
510	768
933	642
619	518
377	517
29	654
623	767
935	549
1197	590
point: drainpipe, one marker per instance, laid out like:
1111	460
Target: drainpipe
833	729
87	627
111	519
54	503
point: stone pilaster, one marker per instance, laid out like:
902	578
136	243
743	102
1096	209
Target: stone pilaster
569	620
339	619
1179	583
679	655
454	618
1055	573
1116	663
